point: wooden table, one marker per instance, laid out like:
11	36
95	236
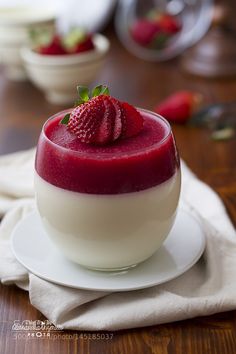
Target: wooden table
23	110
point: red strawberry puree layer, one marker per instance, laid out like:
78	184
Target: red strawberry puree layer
128	165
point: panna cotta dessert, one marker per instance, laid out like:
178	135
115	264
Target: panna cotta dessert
107	181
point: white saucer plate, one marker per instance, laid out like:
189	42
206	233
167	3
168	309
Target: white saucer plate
181	250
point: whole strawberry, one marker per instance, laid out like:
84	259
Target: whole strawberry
78	41
169	24
155	29
85	45
102	119
54	47
143	31
180	106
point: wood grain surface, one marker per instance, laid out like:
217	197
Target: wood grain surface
23	110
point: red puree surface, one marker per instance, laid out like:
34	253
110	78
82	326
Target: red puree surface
128	165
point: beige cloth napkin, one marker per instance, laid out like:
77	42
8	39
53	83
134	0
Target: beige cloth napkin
207	288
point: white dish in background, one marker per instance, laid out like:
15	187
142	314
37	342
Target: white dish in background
58	75
15	23
92	15
26	15
181	250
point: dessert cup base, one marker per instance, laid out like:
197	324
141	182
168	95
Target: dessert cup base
118	269
34	250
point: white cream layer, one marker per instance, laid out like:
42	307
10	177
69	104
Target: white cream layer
108	231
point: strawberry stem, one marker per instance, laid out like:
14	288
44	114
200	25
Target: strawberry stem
100	90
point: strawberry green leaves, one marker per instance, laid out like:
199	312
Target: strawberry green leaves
85	95
66	119
223	134
100	90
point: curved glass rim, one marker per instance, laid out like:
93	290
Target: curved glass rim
103	155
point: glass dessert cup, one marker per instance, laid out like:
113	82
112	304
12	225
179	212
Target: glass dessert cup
107	208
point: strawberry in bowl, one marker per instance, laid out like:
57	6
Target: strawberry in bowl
107	181
154	30
55	63
74	42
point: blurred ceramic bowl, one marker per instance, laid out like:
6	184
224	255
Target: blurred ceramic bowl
58	75
15	24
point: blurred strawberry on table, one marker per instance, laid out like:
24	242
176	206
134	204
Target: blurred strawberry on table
180	106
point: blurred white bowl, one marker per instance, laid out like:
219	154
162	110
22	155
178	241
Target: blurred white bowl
15	24
58	75
91	15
